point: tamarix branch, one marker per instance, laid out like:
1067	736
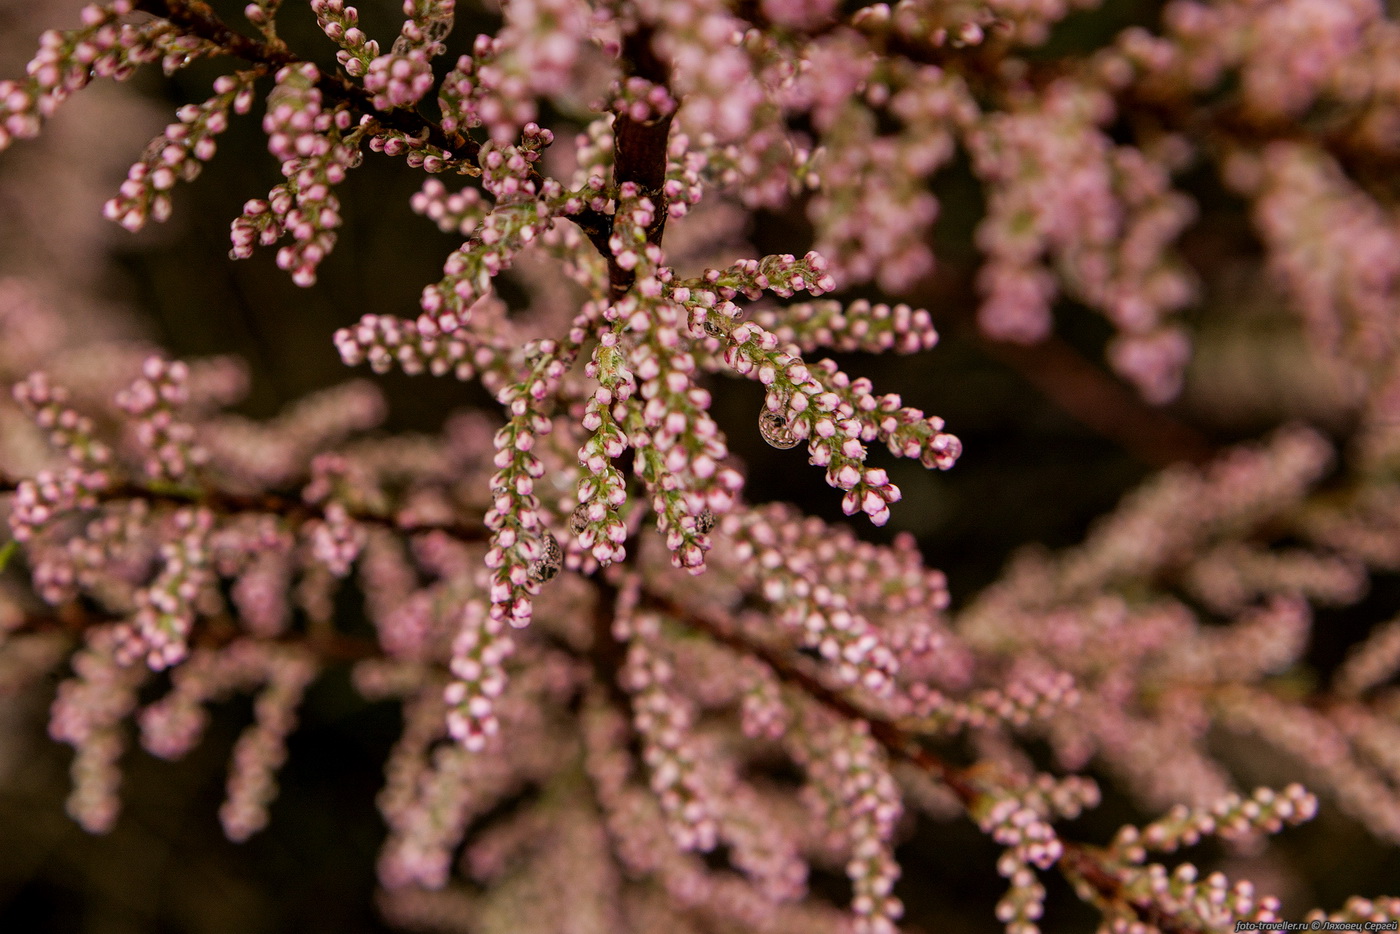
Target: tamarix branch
632	698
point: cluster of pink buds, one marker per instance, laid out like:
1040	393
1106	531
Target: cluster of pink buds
467	276
88	714
179	154
484	90
506	171
262	14
1066	797
593	151
1022	829
153	399
664	719
933	24
1031	700
459	212
685	168
780	561
711	73
260	223
426	24
416	150
1265	811
862	805
517	542
399	80
1024	901
67	61
172	726
51	493
1211	903
679	448
524	209
821	405
602	490
479	653
113	539
456	98
636	213
159	633
341	23
641	100
1384	908
1105	215
763	714
315	160
417	346
854	326
294	123
798	406
337	540
1019	819
783	275
871	207
68	431
906	431
262	747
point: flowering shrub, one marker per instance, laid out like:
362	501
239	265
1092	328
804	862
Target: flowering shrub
633	699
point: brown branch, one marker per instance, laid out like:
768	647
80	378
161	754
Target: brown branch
639	149
1101	403
72	619
294	511
1082	863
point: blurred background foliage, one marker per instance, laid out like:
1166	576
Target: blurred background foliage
1052	440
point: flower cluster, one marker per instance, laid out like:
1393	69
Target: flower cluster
595	522
340	23
860	801
631	697
152	401
663	721
315	157
171	727
179	153
67	61
53	492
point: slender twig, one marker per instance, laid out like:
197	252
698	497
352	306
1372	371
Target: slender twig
287	508
639	149
1101	403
